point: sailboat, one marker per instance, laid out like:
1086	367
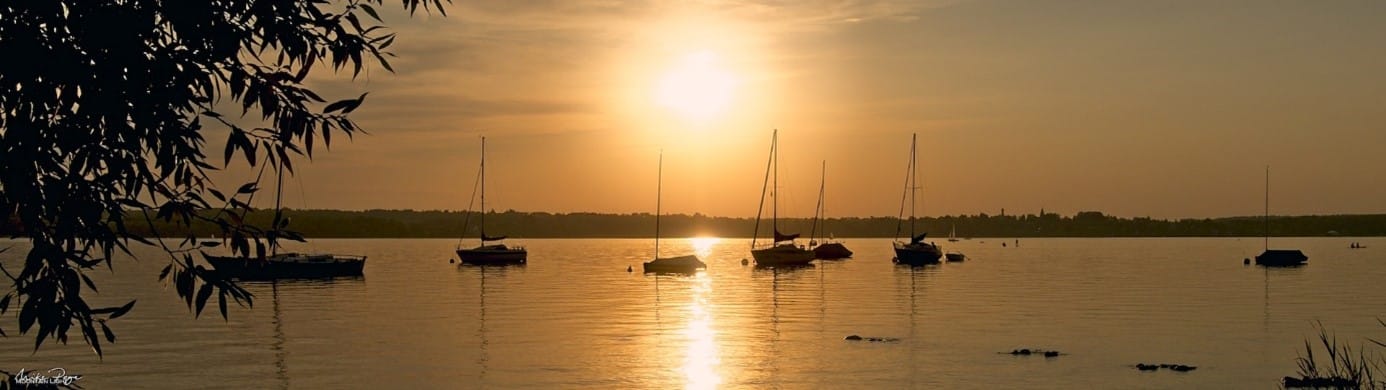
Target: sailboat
953	234
1277	257
916	251
827	250
686	264
286	265
490	254
782	251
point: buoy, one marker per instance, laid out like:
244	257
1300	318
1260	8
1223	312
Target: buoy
630	268
450	261
1246	261
745	262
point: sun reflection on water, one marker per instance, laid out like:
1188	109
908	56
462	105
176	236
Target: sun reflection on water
701	362
702	246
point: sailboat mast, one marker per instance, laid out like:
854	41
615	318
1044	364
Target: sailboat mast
819	212
775	190
823	198
659	197
760	208
1265	218
914	175
483	190
278	195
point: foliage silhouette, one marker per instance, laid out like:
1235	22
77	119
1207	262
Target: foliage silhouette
102	113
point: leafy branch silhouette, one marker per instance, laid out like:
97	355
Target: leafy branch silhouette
103	111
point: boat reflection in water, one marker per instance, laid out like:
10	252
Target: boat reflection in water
279	342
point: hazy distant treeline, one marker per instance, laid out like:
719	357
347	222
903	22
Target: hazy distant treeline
409	223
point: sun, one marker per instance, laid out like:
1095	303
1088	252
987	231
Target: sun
697	88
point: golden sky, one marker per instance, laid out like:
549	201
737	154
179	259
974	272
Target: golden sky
1136	108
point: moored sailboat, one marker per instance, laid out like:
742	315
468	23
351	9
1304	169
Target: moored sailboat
782	251
1276	257
686	264
277	265
490	254
916	251
828	249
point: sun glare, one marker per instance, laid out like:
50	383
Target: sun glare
697	88
702	246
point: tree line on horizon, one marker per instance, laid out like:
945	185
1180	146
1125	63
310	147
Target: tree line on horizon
449	224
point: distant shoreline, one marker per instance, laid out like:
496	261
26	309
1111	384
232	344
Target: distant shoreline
1088	224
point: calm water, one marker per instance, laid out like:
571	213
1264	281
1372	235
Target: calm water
575	318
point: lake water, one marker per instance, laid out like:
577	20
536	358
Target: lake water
574	317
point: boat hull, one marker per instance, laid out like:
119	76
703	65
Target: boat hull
675	265
782	255
288	266
955	257
493	255
917	254
1281	258
831	251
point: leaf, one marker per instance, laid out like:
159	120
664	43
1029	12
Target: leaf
88	333
27	314
338	105
183	282
202	295
231	146
359	100
44	330
88	282
164	274
110	336
221	302
383	62
122	310
5	303
211	244
371	11
247	188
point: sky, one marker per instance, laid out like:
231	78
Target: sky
1166	109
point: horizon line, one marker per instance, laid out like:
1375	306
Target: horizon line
698	214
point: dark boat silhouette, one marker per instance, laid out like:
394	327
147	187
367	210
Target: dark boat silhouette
492	254
1277	257
916	251
827	249
687	264
1281	257
832	251
288	265
782	251
955	256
